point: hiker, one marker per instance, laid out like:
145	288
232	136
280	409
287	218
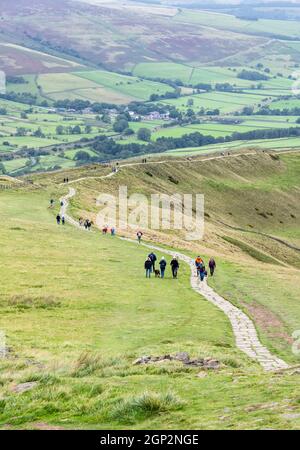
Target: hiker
58	219
198	261
63	220
199	264
104	229
64	180
162	265
61	203
212	266
89	225
139	235
148	267
175	266
202	272
51	203
80	221
112	231
86	224
153	258
67	180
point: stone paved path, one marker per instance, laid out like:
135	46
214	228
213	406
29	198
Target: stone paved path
243	328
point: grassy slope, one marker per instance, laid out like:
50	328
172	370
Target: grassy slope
251	192
65	295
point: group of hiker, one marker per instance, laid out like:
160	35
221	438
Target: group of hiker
87	223
60	218
106	230
66	180
160	273
201	269
151	260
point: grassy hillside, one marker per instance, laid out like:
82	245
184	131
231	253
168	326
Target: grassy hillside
249	201
77	311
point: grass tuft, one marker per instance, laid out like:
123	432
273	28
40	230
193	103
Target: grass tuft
145	405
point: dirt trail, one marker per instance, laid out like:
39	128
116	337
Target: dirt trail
172	161
243	328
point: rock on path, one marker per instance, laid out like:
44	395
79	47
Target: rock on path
243	328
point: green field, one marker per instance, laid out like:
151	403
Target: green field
268	144
227	22
226	102
168	70
133	87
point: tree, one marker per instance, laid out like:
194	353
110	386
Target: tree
82	156
76	130
60	130
120	125
88	129
21	131
144	134
38	133
2	169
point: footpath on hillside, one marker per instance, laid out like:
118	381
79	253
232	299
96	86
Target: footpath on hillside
243	328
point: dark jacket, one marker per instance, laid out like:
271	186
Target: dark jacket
212	263
163	264
148	264
174	263
152	256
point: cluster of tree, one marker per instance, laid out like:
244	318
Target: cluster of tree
16	80
77	104
61	130
21	97
225	87
167	95
252	75
265	111
203	86
3	111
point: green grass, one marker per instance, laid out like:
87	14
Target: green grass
268	144
228	22
133	87
166	70
226	102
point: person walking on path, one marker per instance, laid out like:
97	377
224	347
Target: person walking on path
202	272
51	203
148	266
58	219
212	266
153	258
112	231
139	235
199	263
175	266
63	220
162	265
